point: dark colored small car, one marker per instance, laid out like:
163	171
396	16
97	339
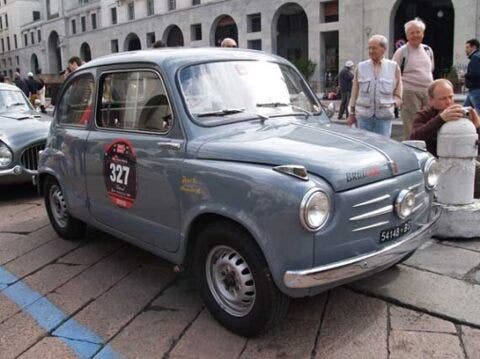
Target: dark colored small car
23	133
223	161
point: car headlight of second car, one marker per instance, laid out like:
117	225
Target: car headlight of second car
431	171
6	155
314	209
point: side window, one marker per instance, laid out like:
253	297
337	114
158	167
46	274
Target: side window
75	107
134	100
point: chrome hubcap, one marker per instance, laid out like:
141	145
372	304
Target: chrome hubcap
58	206
230	281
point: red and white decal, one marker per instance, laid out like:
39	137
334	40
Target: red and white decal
120	173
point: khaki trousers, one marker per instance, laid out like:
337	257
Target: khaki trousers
412	102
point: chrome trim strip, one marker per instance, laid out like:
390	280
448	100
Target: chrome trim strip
375	200
17	171
417	207
375	213
415	186
351	268
297	171
378	224
419	194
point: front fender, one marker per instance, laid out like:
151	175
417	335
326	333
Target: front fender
266	203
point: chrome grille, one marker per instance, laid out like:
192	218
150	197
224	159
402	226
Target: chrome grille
374	212
29	157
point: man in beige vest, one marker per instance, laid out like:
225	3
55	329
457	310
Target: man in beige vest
376	90
416	64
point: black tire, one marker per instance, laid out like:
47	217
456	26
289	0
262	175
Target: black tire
64	224
268	305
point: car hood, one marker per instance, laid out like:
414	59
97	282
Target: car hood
346	158
21	128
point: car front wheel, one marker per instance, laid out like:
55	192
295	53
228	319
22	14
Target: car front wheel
235	281
64	224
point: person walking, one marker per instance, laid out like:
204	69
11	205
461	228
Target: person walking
33	87
376	89
472	77
21	83
416	65
345	78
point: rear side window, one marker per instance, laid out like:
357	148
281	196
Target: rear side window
75	107
135	101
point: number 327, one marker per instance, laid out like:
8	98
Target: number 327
119	173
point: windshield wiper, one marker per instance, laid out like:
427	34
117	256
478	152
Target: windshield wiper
224	112
15	104
282	104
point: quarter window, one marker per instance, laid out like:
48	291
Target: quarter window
135	101
75	107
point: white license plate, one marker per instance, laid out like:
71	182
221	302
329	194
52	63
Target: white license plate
395	232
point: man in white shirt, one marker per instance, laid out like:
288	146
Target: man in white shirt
416	64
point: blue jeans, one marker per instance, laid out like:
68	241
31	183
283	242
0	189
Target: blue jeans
473	99
382	126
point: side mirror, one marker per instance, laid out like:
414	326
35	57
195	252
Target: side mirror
330	110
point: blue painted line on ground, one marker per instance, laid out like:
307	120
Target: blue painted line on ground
106	353
81	340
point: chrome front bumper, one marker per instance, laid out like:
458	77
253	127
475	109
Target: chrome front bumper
17	171
342	271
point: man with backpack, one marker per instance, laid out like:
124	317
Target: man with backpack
416	64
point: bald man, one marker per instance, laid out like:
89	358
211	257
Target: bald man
228	42
442	108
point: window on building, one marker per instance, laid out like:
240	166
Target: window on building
131	11
3	46
1	23
113	15
329	11
114	45
25	39
15	41
39	35
254	44
5	2
254	23
9	61
36	15
6	20
83	23
17	60
93	18
172	4
32	37
150	7
4	63
74	26
8	43
196	32
195	2
150	39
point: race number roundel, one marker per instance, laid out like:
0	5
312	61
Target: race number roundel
120	173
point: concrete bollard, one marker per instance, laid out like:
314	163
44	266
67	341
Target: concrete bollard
457	150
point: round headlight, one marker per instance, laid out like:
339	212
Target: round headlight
6	155
405	203
314	209
431	171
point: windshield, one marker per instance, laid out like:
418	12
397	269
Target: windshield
13	99
226	91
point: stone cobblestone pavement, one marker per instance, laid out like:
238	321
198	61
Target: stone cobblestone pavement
130	304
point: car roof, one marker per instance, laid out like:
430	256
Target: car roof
178	57
5	86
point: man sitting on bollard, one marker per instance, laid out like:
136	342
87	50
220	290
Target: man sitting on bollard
441	109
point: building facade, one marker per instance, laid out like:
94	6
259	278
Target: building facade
43	35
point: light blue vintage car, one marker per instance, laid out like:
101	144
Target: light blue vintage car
224	162
23	133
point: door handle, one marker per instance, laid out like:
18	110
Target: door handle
169	145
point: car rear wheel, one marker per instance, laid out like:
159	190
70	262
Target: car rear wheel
235	281
64	224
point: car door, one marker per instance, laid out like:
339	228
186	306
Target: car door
134	157
73	116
